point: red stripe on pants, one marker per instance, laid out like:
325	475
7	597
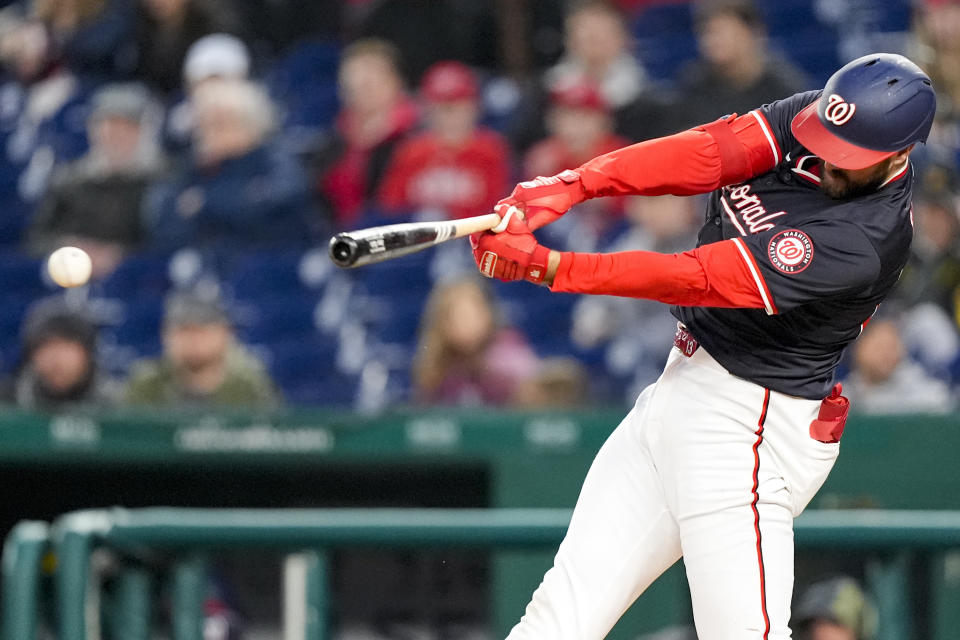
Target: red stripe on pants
756	513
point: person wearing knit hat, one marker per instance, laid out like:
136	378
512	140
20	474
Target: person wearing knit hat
94	201
59	366
203	363
217	55
835	609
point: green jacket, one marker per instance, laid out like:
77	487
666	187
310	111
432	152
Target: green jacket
247	385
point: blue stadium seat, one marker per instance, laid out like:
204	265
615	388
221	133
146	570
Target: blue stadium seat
11	318
139	325
274	317
14	214
786	16
664	56
305	81
813	50
663	20
305	371
408	275
401	321
274	272
139	275
543	316
22	275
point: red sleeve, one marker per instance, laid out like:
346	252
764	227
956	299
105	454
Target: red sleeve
722	274
695	161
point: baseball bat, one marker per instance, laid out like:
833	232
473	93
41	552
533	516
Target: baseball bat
376	244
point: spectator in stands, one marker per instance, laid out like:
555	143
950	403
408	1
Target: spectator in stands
929	287
202	362
597	48
581	127
464	356
377	115
454	169
835	609
95	36
636	335
59	368
936	43
883	378
95	202
40	123
560	382
165	30
736	70
238	189
933	271
216	56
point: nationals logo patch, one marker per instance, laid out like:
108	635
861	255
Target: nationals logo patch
790	251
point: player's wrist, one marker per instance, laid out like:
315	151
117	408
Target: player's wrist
553	264
536	268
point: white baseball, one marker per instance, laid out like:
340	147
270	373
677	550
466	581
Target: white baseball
69	266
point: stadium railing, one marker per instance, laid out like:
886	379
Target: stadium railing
309	534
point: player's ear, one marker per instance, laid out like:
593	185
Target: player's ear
903	153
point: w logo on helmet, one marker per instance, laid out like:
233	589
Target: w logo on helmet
838	111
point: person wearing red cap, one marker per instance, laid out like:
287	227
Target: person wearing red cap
581	127
454	169
807	227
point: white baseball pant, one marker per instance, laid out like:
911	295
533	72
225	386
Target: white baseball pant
706	466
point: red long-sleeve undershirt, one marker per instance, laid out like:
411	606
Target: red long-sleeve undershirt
691	162
714	275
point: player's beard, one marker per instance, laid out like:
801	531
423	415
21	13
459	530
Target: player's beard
840	185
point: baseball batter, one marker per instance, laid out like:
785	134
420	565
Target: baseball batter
807	229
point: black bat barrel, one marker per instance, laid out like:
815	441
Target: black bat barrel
344	250
376	244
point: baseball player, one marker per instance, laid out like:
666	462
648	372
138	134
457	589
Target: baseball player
807	228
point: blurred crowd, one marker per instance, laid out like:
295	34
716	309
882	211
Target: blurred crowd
202	152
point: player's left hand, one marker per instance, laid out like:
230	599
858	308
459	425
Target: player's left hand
544	199
512	253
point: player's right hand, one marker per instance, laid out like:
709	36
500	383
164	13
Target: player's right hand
510	254
543	200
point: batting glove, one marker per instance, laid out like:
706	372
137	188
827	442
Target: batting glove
510	254
544	200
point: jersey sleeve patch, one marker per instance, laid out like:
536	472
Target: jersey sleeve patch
790	251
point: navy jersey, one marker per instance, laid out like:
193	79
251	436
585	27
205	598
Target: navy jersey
822	266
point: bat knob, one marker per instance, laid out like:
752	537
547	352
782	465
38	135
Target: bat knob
343	250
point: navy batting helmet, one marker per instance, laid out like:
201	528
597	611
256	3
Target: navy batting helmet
870	109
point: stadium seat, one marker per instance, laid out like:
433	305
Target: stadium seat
138	325
140	274
305	81
22	275
306	374
11	318
273	272
408	275
401	319
272	317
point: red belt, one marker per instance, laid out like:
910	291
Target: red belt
687	344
